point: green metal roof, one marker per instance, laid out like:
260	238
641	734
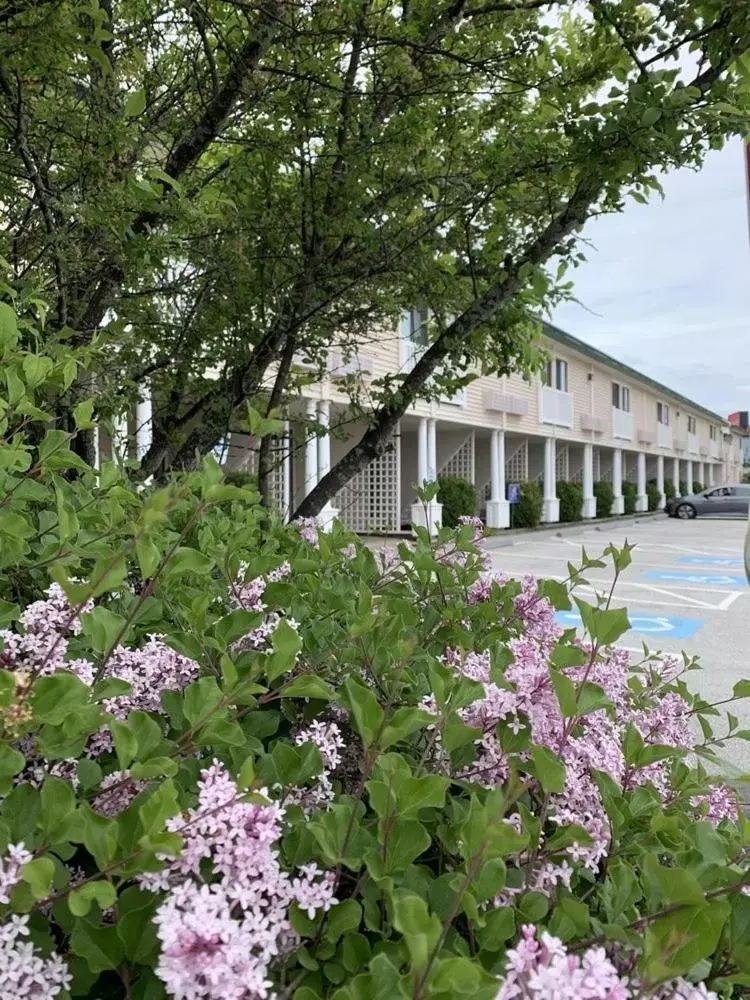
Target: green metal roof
568	340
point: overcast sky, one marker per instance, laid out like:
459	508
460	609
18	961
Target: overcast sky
666	287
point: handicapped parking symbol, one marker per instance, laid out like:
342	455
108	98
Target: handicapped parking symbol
666	626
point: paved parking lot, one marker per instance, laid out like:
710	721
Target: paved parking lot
685	590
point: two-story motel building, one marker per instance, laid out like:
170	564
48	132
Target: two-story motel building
591	418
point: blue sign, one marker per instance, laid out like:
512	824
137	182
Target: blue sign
726	562
514	493
662	626
707	579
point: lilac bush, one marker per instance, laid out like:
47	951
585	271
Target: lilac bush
247	760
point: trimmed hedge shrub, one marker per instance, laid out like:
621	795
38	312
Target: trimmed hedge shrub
630	494
698	486
527	513
669	491
570	496
605	497
652	492
241	478
458	497
683	487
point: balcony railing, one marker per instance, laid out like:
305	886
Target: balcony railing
645	436
692	443
680	444
504	402
664	436
622	424
591	423
714	449
703	450
555	407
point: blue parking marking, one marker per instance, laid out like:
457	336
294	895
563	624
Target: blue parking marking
706	579
725	562
664	626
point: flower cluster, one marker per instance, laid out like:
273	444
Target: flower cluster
542	969
528	697
10	869
248	596
43	644
308	530
327	738
116	792
23	972
219	940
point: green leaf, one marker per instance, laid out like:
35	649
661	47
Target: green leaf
82	414
549	770
38	876
135	928
420	928
343	917
54	698
605	626
651	116
566	693
99	946
135	104
161	804
11	761
309	686
80	899
426	792
570	919
286	644
200	698
126	743
403	723
148	556
8	329
103	627
58	800
741	689
499	928
675	943
185	561
366	713
156	767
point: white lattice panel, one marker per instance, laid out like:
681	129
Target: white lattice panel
577	476
370	501
461	462
517	464
280	457
562	463
597	465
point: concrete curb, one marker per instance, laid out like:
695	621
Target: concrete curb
511	536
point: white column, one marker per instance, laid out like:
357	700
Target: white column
641	500
689	477
676	475
551	508
589	500
328	514
286	503
702	474
711	473
432	450
97	449
660	481
311	450
422	452
144	428
618	504
498	508
430	514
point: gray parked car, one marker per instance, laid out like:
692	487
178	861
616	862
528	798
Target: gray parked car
733	499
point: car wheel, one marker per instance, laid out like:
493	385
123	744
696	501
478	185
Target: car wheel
686	512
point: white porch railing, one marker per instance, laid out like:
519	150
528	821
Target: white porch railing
555	407
692	444
622	424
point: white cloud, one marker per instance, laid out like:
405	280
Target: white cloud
666	287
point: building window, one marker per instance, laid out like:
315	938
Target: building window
692	425
662	414
557	375
712	432
418	327
621	397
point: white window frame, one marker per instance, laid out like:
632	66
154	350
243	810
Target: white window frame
662	414
412	350
692	424
623	393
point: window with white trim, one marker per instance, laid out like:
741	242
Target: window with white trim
557	374
621	397
712	432
415	333
692	424
662	414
